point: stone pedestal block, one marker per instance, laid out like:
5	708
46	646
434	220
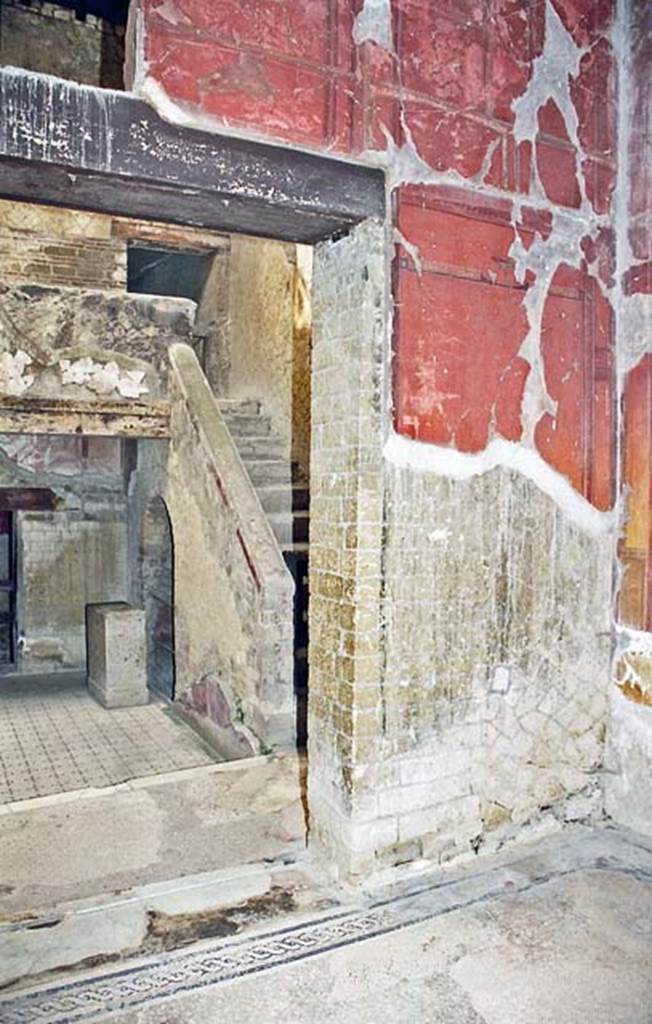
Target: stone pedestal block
117	667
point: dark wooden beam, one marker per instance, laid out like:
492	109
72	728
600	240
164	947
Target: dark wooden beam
27	499
95	149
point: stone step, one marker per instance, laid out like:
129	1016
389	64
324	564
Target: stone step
248	424
264	472
270	447
288	528
277	497
239	406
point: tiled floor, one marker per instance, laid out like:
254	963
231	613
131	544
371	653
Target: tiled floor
55	738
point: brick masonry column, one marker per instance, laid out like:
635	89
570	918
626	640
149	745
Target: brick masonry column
349	360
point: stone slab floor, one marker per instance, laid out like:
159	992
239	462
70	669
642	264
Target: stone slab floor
554	933
55	738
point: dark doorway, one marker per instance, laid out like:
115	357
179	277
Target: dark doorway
158	597
7	590
154	270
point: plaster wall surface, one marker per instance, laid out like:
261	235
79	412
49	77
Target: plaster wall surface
461	556
67	562
78	343
460	629
475	540
233	594
261	328
69	331
52	246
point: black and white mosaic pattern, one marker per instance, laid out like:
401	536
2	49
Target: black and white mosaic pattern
184	971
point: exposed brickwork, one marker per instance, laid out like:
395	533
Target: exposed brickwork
68	561
81	263
39	245
458	662
346	533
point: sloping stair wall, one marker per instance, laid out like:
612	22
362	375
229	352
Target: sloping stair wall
283	491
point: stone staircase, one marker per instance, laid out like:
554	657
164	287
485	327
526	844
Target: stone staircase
284	495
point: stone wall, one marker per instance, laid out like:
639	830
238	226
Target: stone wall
261	333
346	543
67	560
42	36
52	246
80	343
69	330
70	556
460	628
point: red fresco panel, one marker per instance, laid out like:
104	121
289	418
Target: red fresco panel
245	65
442	51
448	140
640	157
638	279
576	348
556	162
600	182
283	27
515	38
460	324
593	93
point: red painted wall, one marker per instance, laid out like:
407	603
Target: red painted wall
636	544
290	70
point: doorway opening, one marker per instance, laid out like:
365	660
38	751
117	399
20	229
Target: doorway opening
7	591
158	597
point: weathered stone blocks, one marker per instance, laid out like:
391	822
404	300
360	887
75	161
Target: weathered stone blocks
117	675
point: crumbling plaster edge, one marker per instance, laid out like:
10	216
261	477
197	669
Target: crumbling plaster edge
406	453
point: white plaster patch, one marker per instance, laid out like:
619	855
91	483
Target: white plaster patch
630	728
406	453
542	259
13	378
411	249
103	378
628	787
633	641
374	24
550	80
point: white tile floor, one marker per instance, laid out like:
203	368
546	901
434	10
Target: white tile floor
54	738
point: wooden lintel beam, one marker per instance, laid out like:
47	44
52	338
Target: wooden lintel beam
79	146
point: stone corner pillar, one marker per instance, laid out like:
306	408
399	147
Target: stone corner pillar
345	727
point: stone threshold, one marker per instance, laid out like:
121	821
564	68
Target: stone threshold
143	782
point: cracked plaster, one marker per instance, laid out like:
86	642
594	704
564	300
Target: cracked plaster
374	24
